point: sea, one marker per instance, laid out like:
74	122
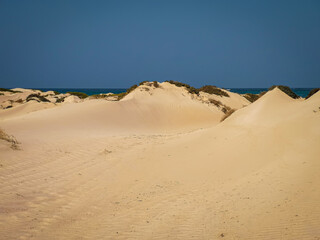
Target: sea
302	92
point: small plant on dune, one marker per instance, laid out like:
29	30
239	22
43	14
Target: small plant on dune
143	82
56	93
99	96
79	94
286	90
10	139
123	94
119	96
131	89
227	114
215	102
60	100
9	90
313	91
213	90
36	97
150	84
262	93
19	101
251	97
37	90
156	84
226	109
1	94
190	89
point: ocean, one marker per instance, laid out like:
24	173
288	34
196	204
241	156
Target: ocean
302	92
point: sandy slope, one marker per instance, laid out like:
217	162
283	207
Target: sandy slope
157	110
84	173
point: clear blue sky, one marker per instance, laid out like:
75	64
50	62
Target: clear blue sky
110	44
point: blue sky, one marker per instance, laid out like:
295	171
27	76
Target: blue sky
111	44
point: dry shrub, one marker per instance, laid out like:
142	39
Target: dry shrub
213	90
142	83
99	96
227	114
215	102
226	109
37	97
313	91
10	139
251	97
9	90
150	84
60	100
156	84
119	96
286	90
79	94
190	89
123	94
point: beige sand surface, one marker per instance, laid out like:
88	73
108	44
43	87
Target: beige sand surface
160	165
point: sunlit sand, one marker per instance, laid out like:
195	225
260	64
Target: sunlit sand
160	164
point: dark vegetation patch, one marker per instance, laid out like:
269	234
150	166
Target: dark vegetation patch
251	97
156	84
215	102
313	91
99	96
150	84
36	97
227	114
131	89
119	96
226	109
286	90
10	139
213	90
9	90
143	82
56	92
1	94
262	93
60	100
190	89
19	101
79	94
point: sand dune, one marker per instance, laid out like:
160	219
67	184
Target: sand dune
145	110
159	165
160	110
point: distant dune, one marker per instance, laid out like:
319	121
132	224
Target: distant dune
159	164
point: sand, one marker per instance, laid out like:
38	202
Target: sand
159	164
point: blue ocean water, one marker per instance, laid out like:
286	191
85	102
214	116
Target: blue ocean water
88	91
302	92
